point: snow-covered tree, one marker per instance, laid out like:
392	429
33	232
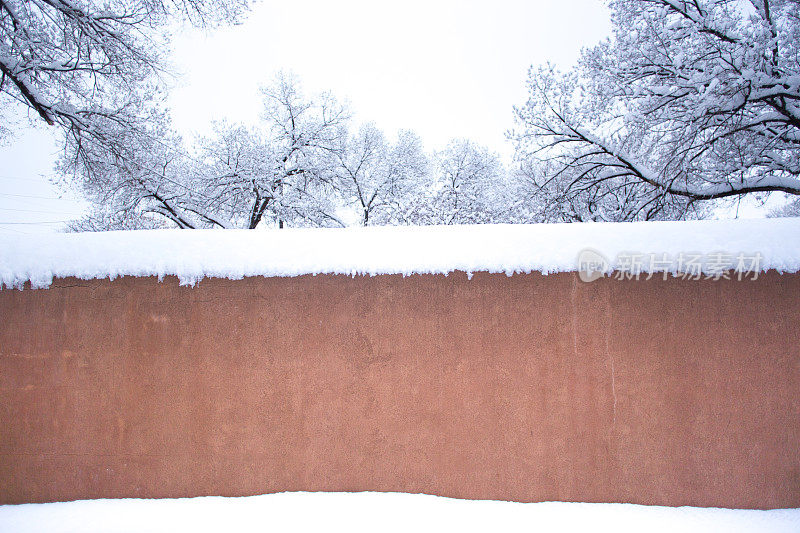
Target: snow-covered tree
410	197
282	173
137	182
376	178
92	67
303	137
232	171
691	100
791	209
470	185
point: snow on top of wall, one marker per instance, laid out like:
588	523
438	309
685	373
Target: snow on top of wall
192	255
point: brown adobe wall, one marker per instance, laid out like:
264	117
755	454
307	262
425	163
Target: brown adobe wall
526	388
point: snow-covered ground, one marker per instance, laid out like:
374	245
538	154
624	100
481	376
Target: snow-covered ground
379	512
234	254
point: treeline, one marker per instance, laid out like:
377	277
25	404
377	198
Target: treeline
305	164
687	105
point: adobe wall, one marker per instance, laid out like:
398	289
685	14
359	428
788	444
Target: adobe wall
526	388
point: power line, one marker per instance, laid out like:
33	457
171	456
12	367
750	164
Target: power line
35	197
15	231
20	178
35	223
37	211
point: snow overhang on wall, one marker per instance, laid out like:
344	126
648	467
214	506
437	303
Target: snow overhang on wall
771	244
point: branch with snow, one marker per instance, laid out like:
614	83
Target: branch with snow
689	102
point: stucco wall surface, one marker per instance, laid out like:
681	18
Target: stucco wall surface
525	388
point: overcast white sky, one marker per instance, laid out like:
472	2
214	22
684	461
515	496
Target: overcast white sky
444	68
